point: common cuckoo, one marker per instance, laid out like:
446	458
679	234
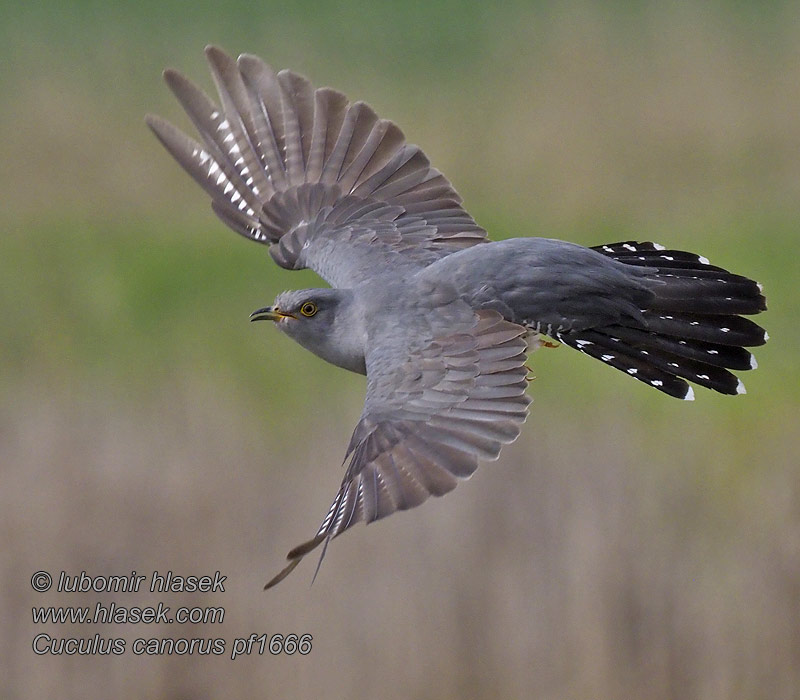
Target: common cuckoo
438	317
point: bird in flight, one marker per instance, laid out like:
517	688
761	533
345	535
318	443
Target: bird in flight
436	316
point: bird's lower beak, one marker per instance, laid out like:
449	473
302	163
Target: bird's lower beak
269	313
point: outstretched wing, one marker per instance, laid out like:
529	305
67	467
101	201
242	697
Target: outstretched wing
435	404
325	182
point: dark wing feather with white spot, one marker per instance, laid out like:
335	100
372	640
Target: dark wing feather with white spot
690	327
452	393
325	182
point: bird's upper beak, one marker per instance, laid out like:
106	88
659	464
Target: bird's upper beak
269	313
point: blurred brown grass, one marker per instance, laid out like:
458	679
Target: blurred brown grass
625	546
595	559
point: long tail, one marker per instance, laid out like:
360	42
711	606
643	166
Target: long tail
694	329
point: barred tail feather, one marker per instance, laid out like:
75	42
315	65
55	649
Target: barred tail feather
648	361
724	330
691	330
635	363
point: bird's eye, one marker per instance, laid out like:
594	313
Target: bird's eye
308	309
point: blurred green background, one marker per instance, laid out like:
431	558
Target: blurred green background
627	545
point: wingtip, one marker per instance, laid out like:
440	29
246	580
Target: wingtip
275	580
296	556
216	55
250	64
176	81
170	75
158	125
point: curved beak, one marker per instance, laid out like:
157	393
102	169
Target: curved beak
269	313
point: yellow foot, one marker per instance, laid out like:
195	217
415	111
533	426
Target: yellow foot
530	376
545	343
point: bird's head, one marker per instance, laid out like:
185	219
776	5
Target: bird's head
324	321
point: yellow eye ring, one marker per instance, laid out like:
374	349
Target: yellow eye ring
308	309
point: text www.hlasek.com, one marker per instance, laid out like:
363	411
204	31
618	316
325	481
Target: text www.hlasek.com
119	614
113	613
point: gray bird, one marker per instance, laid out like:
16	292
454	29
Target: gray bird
438	317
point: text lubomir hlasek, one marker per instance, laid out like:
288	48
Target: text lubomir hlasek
133	583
